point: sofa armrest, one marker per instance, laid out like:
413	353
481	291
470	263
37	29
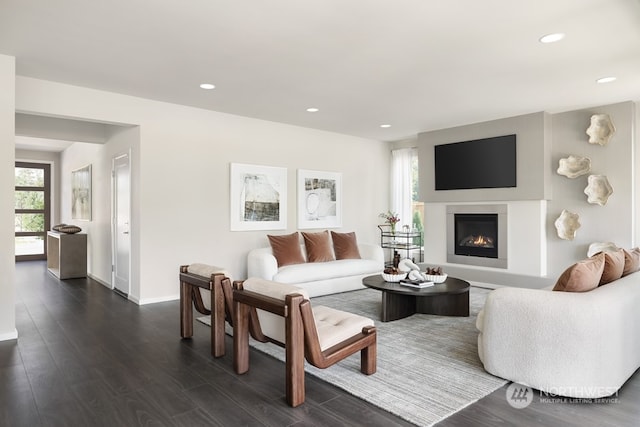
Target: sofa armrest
372	252
573	344
261	263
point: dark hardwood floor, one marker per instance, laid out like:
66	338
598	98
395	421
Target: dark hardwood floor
87	357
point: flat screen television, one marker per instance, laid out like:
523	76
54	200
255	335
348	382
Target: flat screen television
480	163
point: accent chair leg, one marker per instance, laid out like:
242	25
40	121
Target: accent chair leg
186	311
294	349
368	357
240	338
217	318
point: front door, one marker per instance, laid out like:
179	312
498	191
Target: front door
121	239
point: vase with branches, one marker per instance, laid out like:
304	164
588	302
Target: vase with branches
390	218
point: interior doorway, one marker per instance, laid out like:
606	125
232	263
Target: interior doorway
121	237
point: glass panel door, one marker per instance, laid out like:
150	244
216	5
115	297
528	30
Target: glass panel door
32	210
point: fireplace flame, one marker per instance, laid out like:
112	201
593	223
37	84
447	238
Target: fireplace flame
479	241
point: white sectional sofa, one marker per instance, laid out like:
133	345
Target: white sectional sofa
318	278
574	344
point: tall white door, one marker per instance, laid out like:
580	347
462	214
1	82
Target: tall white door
121	239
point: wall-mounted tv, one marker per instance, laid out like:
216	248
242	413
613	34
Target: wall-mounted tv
481	163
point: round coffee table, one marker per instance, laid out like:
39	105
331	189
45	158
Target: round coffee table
450	298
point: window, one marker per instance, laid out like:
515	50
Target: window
404	189
32	210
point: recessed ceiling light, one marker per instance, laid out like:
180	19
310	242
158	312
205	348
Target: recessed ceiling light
385	126
552	38
207	86
313	110
606	79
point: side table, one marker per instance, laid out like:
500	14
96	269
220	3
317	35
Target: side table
67	254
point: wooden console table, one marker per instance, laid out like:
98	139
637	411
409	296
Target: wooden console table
67	254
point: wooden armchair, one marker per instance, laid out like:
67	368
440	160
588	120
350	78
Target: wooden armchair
193	279
282	314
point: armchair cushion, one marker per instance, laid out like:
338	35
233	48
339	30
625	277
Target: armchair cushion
335	326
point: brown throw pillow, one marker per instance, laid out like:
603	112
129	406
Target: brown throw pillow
286	249
613	266
582	276
631	261
318	246
345	245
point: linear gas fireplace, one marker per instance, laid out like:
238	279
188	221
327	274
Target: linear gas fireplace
477	235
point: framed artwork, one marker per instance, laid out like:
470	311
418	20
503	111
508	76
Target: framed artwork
319	199
81	193
258	197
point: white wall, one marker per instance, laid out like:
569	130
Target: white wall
7	199
181	193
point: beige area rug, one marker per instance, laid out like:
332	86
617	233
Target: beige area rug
428	366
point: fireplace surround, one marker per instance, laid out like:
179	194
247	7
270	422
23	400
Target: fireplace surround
477	235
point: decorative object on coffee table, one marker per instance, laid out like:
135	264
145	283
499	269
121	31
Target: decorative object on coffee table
601	129
567	224
598	189
574	166
393	274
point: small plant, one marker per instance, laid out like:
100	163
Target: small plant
390	218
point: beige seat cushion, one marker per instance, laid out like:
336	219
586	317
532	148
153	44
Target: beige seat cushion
207	271
271	324
335	326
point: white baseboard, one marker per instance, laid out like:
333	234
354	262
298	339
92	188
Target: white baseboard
102	282
9	336
145	301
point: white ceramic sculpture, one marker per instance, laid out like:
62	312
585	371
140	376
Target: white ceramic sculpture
574	166
598	189
596	247
601	129
567	224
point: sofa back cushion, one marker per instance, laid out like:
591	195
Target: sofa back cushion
613	266
631	261
582	276
345	245
286	249
318	246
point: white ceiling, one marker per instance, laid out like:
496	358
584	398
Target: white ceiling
414	64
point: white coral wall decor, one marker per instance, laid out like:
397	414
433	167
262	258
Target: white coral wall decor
601	129
574	166
598	189
567	224
596	247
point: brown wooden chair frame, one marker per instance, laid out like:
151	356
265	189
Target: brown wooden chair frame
221	303
301	338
